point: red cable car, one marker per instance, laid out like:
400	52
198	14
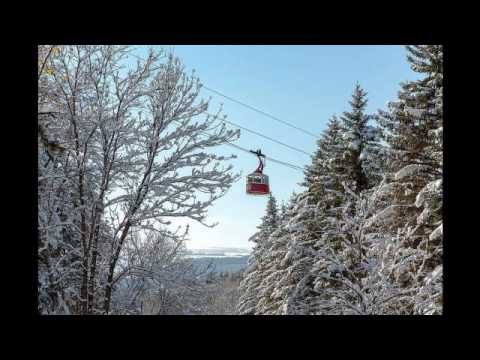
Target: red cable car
257	182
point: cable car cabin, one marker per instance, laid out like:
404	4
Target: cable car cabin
257	184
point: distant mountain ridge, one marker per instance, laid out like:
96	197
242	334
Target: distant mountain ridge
224	259
221	263
217	252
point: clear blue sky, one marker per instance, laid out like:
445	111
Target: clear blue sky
303	85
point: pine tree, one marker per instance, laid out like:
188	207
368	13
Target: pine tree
269	302
361	159
324	176
254	274
411	217
413	123
323	180
327	187
355	155
385	264
273	292
283	212
365	237
349	279
269	222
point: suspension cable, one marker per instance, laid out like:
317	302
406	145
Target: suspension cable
260	111
265	137
251	107
294	167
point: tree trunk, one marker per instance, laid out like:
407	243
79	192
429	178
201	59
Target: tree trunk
83	289
113	263
93	268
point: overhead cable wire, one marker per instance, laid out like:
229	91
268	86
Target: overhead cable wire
260	111
259	134
266	137
252	108
294	167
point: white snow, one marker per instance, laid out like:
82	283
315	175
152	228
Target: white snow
385	216
434	274
433	186
414	112
437	233
423	217
354	145
438	132
386	188
46	107
409	170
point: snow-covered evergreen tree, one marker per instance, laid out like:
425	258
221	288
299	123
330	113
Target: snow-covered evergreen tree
269	221
255	272
306	222
412	218
269	302
361	160
347	162
365	237
282	212
324	176
385	263
333	171
413	125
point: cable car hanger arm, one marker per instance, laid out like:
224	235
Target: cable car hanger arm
258	153
261	162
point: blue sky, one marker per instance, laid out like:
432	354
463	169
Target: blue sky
303	85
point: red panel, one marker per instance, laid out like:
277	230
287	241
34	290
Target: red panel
261	189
